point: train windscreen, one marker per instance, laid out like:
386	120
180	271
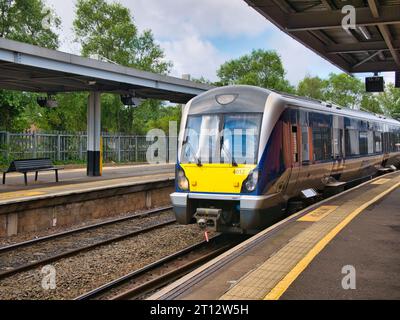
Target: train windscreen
218	139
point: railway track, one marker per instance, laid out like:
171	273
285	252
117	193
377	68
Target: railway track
26	255
139	283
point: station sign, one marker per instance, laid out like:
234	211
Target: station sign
374	84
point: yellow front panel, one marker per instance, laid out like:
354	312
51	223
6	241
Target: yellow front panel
219	178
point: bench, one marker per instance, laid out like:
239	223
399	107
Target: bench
31	165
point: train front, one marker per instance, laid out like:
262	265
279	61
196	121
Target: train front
217	173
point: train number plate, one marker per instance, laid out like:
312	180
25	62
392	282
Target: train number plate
240	172
318	214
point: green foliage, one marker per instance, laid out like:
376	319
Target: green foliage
260	68
13	104
69	116
32	22
29	21
312	87
344	90
167	115
108	30
340	89
390	101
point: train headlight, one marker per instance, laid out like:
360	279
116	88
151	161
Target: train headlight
183	182
250	183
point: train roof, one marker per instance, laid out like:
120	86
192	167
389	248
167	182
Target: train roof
333	108
257	94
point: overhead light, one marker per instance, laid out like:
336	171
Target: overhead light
92	83
224	99
130	100
47	102
364	31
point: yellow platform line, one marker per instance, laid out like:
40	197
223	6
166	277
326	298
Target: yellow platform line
284	284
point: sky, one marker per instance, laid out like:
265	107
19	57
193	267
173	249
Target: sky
199	36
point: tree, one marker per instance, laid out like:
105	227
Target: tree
312	87
260	68
344	90
29	21
108	30
390	101
13	106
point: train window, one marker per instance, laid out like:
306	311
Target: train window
352	142
363	136
378	142
322	142
305	149
201	139
295	145
370	142
385	142
398	142
241	138
337	142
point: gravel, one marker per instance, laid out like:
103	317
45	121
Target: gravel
53	247
84	272
6	241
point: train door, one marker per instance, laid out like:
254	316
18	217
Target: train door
337	147
338	153
306	155
294	140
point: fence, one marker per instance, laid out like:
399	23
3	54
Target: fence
70	147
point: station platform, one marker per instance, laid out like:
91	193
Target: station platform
76	179
345	247
77	198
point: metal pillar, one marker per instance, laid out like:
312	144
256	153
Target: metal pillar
94	135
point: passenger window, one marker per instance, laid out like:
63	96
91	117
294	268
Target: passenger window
378	142
352	142
305	149
295	146
337	143
322	142
363	143
370	142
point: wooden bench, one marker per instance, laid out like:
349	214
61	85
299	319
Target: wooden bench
31	165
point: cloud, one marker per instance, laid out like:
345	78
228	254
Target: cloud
297	59
193	34
171	19
194	56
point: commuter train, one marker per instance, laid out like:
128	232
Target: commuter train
244	153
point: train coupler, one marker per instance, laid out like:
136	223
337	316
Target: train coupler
208	219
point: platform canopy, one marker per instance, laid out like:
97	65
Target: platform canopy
373	46
30	68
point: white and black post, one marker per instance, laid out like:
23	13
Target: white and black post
94	135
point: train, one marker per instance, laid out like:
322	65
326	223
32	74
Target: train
245	154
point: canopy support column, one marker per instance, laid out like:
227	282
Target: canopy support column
94	135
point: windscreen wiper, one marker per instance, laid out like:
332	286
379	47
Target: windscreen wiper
228	153
197	159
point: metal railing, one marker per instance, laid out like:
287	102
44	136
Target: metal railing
70	147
